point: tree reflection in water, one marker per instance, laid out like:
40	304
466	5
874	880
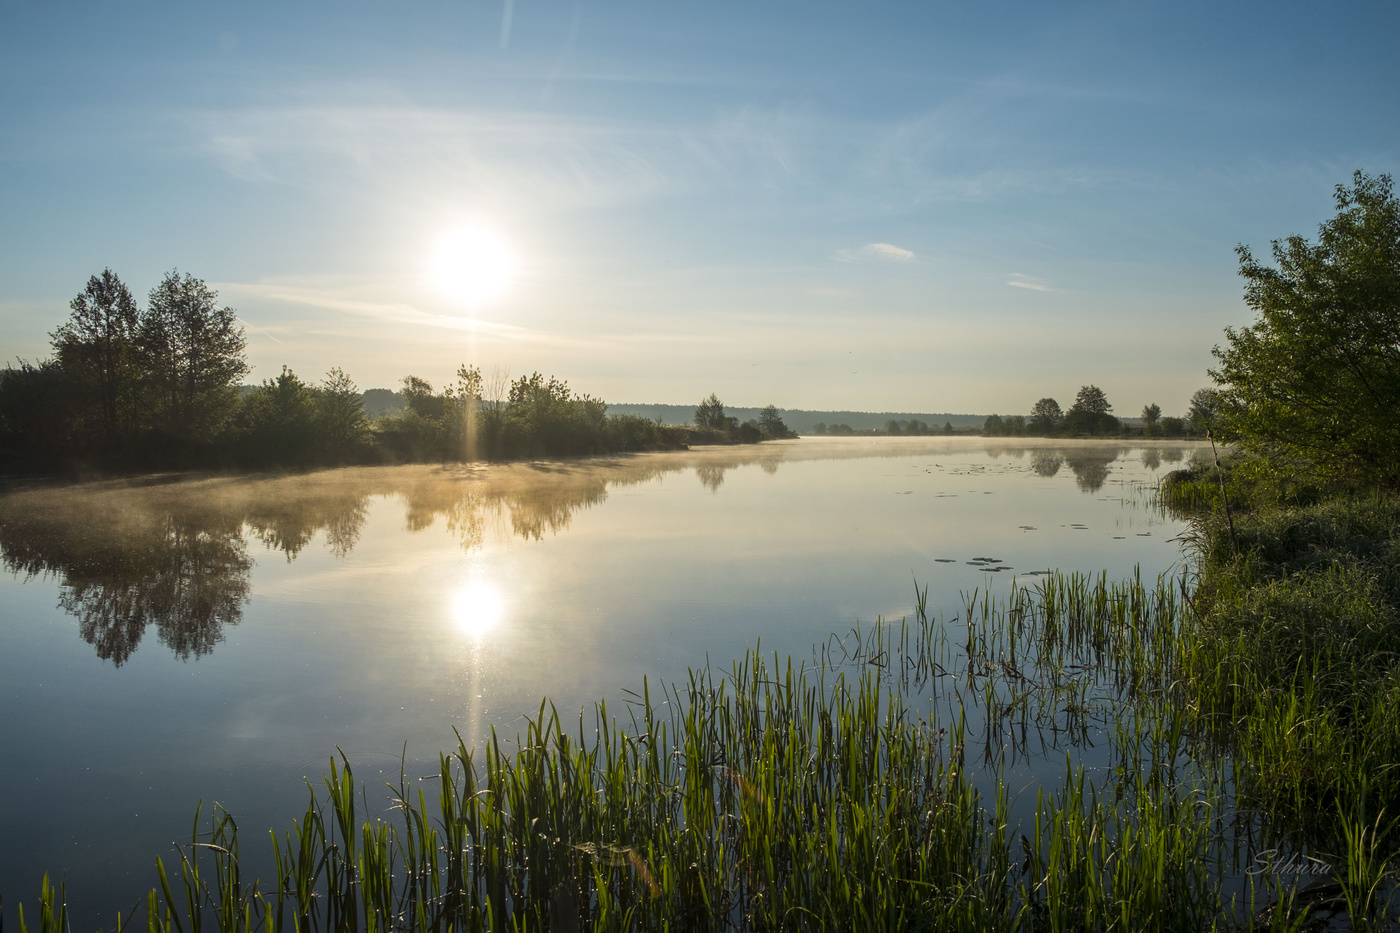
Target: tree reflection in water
1091	464
1091	467
121	570
1047	462
175	554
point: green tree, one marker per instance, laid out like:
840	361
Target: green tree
419	398
1314	383
770	422
710	414
342	427
1151	414
279	422
1090	413
1200	415
191	354
95	349
1046	416
35	409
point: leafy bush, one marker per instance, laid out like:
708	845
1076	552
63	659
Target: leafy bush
1314	383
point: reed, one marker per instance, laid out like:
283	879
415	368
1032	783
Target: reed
843	792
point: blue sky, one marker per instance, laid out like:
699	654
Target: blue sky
924	207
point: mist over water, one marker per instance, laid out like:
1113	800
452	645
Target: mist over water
184	639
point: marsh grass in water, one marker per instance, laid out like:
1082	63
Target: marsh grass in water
846	792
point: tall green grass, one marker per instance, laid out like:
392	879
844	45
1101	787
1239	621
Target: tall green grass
866	789
1291	661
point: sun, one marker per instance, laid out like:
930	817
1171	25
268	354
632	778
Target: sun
473	266
477	608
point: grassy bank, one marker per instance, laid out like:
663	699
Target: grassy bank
1294	659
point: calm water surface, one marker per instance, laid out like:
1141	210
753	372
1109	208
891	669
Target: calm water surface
173	641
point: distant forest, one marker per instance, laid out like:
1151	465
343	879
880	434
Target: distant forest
805	421
1091	415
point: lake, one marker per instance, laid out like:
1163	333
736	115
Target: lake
172	640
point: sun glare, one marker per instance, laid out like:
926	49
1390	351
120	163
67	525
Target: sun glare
477	608
473	266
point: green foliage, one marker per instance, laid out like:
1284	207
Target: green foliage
1046	416
278	422
1200	416
1090	413
96	350
36	411
544	418
710	413
1151	415
1314	383
538	417
1293	660
191	358
157	389
1004	426
424	430
771	426
343	433
713	426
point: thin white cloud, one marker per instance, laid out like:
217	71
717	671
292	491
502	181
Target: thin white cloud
540	158
880	252
886	251
395	312
1017	280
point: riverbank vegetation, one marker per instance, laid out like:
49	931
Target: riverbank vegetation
158	388
1293	660
1091	416
713	426
1294	664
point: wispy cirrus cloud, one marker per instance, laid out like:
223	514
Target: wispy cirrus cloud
401	313
562	161
879	252
1017	280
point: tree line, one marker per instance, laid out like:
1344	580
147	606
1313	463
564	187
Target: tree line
158	387
893	427
1090	415
714	426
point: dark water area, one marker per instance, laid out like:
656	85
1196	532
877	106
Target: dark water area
174	641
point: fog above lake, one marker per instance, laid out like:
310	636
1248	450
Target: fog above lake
177	552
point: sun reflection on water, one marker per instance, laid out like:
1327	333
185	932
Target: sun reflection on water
477	608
